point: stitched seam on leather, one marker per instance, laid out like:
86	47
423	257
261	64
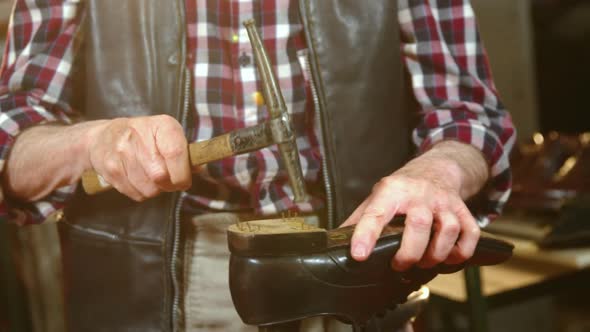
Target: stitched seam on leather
326	282
110	237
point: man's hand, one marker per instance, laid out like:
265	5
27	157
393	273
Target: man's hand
430	191
140	157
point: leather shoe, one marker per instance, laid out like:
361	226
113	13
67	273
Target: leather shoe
283	270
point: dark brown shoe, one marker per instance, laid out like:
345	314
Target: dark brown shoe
284	270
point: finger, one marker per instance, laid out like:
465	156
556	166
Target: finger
136	171
467	242
446	232
153	165
113	171
172	146
112	168
354	218
415	238
379	210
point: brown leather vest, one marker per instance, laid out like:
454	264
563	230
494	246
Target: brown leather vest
121	259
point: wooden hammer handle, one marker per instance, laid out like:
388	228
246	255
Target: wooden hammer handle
93	183
216	148
199	152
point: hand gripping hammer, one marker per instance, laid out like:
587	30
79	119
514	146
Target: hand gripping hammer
276	130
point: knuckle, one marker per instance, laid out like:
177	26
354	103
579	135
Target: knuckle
156	173
135	122
164	118
384	184
475	231
158	177
374	213
420	222
371	229
122	143
118	124
169	124
112	166
387	181
442	202
451	228
418	186
457	205
120	146
171	151
424	186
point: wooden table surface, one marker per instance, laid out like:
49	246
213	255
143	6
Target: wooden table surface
530	265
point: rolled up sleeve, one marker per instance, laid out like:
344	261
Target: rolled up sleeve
35	89
452	82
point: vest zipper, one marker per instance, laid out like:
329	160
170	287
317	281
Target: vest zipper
177	212
176	311
174	265
304	12
322	139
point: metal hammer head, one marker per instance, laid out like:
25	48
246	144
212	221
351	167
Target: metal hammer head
280	123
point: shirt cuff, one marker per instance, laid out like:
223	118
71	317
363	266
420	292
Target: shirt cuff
489	203
49	209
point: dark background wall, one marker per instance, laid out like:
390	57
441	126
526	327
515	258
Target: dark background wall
562	39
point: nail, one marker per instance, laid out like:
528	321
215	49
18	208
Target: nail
359	251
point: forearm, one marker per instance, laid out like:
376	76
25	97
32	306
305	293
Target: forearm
139	156
454	165
46	157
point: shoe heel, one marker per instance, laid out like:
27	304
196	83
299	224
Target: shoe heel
272	237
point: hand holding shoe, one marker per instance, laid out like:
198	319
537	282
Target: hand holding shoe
429	190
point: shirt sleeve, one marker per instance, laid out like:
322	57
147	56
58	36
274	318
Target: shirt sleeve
35	87
452	82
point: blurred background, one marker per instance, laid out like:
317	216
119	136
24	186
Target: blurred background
540	55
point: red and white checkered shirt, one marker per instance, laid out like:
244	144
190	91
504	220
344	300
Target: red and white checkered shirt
441	48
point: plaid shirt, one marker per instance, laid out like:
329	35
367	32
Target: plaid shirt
449	69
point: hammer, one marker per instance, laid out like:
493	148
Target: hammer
276	130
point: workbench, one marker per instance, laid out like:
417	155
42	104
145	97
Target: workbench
532	272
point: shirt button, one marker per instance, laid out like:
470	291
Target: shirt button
258	98
173	59
244	60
